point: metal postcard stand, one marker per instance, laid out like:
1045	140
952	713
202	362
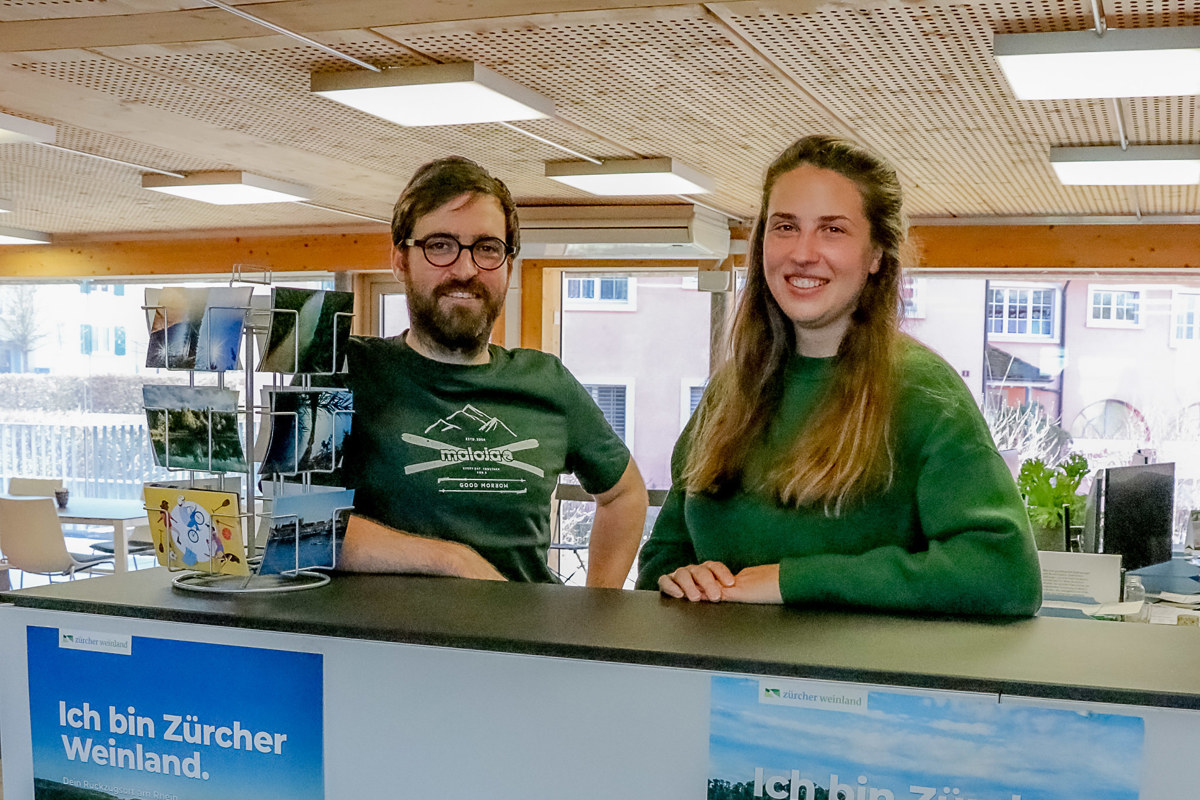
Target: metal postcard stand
211	579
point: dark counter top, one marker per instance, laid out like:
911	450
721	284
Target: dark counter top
1045	657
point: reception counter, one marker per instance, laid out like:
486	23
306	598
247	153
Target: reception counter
421	687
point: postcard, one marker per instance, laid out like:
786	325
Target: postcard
194	427
175	314
196	328
306	531
308	427
219	341
308	332
198	529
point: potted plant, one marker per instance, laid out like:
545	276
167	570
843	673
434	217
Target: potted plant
1046	490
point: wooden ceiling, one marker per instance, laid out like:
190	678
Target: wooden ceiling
183	86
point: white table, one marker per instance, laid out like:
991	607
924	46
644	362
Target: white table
116	514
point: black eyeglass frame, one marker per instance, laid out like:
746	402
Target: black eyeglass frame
509	250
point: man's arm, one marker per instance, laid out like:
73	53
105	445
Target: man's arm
617	530
372	547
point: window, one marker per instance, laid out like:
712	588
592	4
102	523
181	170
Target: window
611	399
912	290
119	341
1110	419
1025	311
690	392
1185	317
1114	307
656	352
85	339
599	293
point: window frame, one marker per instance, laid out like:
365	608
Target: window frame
1177	310
1091	321
915	305
594	303
1055	335
623	381
686	384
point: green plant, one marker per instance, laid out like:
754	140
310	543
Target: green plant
1048	489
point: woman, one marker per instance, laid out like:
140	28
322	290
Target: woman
834	460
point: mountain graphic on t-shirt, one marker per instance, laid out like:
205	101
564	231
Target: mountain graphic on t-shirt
470	417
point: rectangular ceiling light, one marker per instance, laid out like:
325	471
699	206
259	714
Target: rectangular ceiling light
17	129
1142	62
22	236
438	94
1148	165
631	177
228	188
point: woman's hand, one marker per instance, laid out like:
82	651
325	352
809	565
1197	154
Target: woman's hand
697	582
755	585
713	582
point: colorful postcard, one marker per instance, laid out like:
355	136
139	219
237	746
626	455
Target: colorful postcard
219	341
194	427
175	314
198	529
771	737
306	531
308	427
196	328
309	330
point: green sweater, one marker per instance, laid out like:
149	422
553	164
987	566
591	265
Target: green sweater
950	535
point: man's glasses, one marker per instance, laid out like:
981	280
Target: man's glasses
442	249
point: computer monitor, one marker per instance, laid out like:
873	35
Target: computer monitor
1131	511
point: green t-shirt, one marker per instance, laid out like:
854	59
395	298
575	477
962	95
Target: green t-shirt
472	453
950	535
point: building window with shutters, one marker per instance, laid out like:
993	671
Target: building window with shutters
613	399
690	391
85	340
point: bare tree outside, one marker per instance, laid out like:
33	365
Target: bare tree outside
20	325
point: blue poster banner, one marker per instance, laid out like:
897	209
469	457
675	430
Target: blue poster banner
133	717
808	740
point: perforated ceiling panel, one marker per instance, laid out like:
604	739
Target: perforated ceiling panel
722	87
674	84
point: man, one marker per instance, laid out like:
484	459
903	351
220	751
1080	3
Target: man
457	445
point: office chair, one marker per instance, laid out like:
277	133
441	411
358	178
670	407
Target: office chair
32	540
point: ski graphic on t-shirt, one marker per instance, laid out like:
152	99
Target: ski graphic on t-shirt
484	423
476	453
451	454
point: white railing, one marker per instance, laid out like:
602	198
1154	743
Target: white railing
92	460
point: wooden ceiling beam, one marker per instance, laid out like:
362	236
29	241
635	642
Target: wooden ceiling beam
1109	247
326	252
979	247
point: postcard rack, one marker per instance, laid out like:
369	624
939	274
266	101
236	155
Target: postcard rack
208	528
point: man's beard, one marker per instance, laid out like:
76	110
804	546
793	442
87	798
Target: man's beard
460	329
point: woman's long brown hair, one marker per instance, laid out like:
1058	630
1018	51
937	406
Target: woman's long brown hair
844	451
